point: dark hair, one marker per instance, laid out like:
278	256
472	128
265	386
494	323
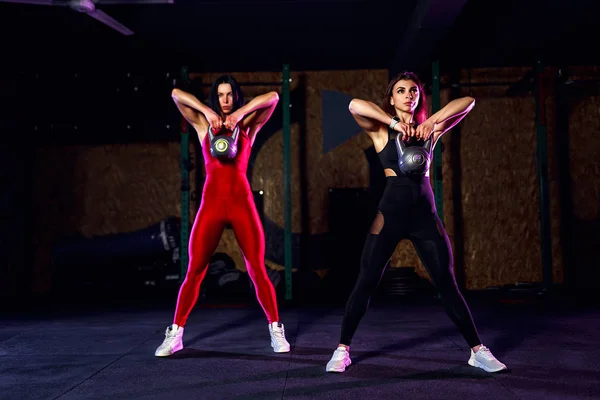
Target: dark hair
213	96
421	113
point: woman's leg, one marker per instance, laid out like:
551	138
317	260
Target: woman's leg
379	246
433	247
204	239
250	236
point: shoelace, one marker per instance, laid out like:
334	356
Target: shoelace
278	334
485	353
170	334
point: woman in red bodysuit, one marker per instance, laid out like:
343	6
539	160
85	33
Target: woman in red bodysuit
226	200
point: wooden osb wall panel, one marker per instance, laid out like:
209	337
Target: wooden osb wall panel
584	143
499	137
345	166
109	189
101	190
500	193
584	125
500	197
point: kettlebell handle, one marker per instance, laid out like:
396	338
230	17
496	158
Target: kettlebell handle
236	132
400	146
234	135
210	134
427	144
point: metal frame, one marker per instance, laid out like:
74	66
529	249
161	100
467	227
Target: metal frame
542	167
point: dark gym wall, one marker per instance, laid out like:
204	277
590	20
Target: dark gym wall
490	177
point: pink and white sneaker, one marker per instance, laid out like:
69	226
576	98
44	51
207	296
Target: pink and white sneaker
173	341
339	361
278	341
485	360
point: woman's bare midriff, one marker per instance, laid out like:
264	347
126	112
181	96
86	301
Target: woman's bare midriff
389	172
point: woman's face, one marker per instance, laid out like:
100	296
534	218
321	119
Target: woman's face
225	94
405	96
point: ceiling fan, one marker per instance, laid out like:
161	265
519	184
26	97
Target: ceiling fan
89	7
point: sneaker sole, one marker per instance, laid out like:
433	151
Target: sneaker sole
284	350
340	369
175	350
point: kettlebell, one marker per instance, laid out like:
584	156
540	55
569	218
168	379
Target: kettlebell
413	160
224	147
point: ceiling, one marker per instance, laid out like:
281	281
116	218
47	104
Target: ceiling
307	34
511	32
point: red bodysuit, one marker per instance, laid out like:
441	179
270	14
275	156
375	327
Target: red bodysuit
226	199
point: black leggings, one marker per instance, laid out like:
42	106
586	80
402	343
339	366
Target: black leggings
407	211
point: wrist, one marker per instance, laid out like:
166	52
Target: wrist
394	122
204	109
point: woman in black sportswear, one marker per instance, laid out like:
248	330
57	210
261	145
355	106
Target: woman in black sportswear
407	209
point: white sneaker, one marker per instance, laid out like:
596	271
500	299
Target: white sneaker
339	361
485	360
278	341
173	341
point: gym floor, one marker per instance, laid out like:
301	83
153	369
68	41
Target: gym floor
405	350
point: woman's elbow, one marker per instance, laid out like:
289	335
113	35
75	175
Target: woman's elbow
352	106
471	103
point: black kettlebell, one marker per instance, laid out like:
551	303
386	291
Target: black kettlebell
413	160
223	147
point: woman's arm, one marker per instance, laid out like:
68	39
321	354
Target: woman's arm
194	111
369	116
373	120
254	114
451	114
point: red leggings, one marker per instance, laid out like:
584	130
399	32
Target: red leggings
226	200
